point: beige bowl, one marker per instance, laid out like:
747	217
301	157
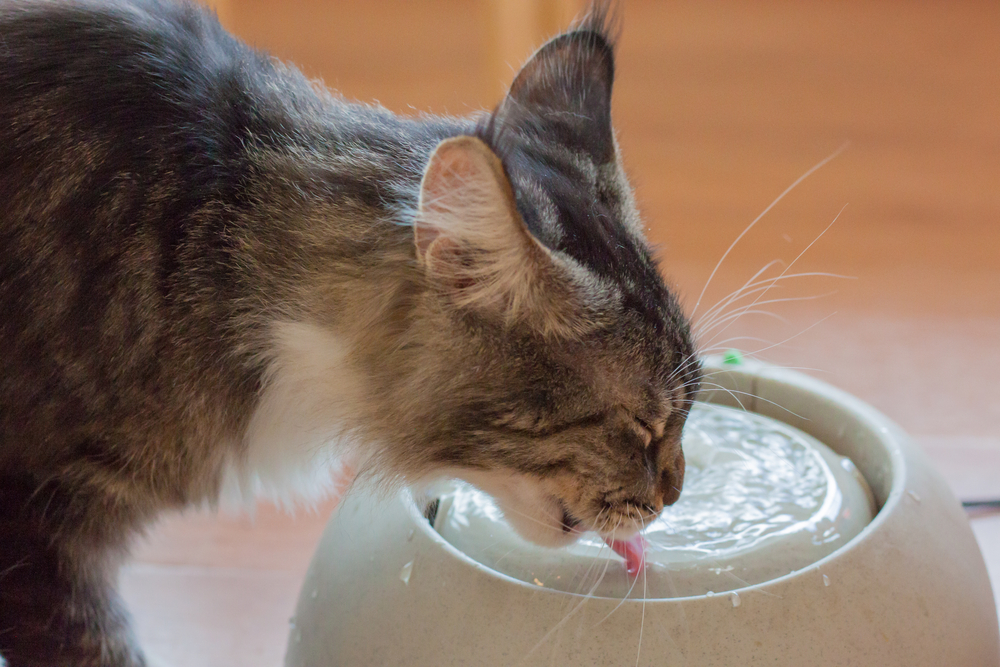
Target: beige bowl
385	589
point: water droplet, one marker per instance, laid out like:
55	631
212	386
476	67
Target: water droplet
735	597
314	594
710	594
826	580
291	622
847	464
404	574
409	536
913	494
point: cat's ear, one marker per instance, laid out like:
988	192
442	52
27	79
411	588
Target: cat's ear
569	79
475	249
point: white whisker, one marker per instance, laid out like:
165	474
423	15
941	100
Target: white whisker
799	256
567	616
748	309
762	286
794	336
762	214
642	619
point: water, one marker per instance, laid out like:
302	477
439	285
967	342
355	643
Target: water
746	480
404	574
760	500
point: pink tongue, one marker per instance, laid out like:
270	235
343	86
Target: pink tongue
633	550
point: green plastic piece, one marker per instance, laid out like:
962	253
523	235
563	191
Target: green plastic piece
732	358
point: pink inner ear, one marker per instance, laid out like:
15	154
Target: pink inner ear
449	170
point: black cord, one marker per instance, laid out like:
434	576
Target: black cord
981	504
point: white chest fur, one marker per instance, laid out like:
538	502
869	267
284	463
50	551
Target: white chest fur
299	429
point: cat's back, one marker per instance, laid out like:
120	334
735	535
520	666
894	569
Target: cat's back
105	86
119	126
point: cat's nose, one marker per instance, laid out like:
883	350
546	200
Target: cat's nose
672	481
670	491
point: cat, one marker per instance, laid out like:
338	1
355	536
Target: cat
216	275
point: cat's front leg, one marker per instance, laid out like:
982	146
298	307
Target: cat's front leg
58	604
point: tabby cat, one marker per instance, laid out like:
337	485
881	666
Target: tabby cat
217	277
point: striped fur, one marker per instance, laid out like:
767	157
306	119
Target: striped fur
214	272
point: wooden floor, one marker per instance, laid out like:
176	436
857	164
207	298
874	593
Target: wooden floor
719	107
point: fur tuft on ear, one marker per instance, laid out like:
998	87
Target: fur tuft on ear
474	246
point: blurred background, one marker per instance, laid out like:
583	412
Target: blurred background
719	108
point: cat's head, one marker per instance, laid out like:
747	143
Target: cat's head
565	366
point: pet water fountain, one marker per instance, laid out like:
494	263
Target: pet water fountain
811	531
